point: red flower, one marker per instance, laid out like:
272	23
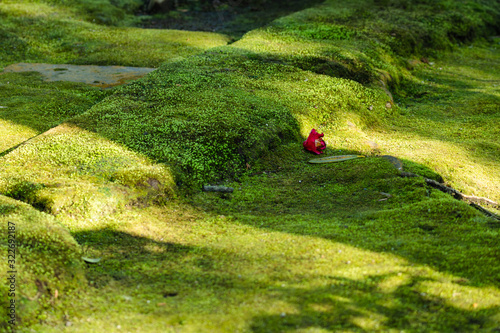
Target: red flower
315	142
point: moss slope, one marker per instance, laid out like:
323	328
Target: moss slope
49	270
82	177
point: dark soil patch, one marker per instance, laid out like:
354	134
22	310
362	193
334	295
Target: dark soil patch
233	21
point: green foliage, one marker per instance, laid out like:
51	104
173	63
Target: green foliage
41	105
324	32
26	192
379	210
31	106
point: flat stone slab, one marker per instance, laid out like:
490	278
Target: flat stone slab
394	161
102	76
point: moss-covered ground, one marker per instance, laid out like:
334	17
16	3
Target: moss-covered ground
61	32
297	247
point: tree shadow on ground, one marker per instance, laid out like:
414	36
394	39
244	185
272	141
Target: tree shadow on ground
361	306
131	259
366	204
178	274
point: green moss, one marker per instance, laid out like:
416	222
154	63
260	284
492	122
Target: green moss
345	246
359	40
210	115
60	34
81	177
450	108
31	106
49	271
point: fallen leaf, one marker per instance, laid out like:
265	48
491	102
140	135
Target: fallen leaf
91	260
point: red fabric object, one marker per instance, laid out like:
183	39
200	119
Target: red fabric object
315	142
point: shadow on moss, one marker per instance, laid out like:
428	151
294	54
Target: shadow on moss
361	306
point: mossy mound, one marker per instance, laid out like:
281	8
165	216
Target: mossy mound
210	115
48	267
79	176
368	41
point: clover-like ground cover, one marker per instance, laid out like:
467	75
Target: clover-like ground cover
297	247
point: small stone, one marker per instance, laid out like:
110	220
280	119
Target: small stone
372	144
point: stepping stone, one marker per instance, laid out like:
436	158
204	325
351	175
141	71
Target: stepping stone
102	76
394	161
